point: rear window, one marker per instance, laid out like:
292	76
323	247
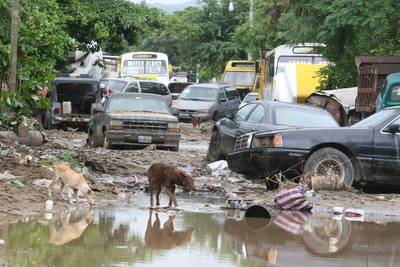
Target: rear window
297	117
395	94
153	88
137	104
115	85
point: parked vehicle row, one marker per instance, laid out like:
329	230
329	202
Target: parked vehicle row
367	152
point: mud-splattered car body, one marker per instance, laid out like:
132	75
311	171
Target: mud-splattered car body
134	119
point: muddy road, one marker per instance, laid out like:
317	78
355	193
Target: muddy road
25	176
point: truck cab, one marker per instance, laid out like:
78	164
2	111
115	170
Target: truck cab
390	93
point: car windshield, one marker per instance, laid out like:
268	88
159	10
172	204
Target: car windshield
243	78
199	93
250	98
137	104
298	117
376	119
115	85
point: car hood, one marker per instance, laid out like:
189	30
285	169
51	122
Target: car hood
143	116
192	104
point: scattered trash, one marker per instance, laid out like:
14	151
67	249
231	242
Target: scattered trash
357	215
2	242
49	205
3	153
42	183
17	183
7	176
70	129
217	166
338	210
294	199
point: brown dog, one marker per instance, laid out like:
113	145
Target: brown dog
196	121
167	176
166	237
71	179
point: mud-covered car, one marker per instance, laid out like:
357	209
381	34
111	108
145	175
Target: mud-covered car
134	119
367	152
72	101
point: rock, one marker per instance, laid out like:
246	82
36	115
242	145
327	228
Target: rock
218	167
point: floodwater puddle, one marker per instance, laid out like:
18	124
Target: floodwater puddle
197	236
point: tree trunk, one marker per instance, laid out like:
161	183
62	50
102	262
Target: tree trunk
12	82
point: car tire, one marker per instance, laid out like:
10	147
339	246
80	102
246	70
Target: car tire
215	116
330	163
175	148
214	151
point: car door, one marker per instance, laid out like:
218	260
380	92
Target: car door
222	107
253	121
386	154
229	127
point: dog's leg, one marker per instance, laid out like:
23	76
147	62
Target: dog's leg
52	184
151	188
174	196
63	188
171	196
158	195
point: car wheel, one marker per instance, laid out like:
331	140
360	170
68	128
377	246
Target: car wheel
331	165
175	148
215	116
214	150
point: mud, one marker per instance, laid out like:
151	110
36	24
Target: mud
111	172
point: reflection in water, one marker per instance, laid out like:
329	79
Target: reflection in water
133	237
70	230
166	237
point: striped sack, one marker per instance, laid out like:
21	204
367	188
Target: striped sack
293	199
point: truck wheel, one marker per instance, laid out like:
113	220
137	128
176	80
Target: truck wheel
214	148
175	148
331	165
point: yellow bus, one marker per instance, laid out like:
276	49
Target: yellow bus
241	74
292	72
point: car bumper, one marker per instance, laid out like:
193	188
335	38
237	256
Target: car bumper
188	116
72	118
267	160
137	138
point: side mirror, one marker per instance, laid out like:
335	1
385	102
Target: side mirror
229	115
392	128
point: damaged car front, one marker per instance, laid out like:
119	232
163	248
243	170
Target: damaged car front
134	119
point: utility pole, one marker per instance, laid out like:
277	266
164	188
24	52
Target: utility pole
251	18
12	79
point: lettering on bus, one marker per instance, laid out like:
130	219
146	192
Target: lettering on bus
145	67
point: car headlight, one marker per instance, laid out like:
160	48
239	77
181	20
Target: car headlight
173	127
203	110
268	141
115	124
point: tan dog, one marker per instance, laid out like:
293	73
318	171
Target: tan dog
70	231
71	179
167	176
196	121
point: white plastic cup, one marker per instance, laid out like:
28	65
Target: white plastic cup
49	205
